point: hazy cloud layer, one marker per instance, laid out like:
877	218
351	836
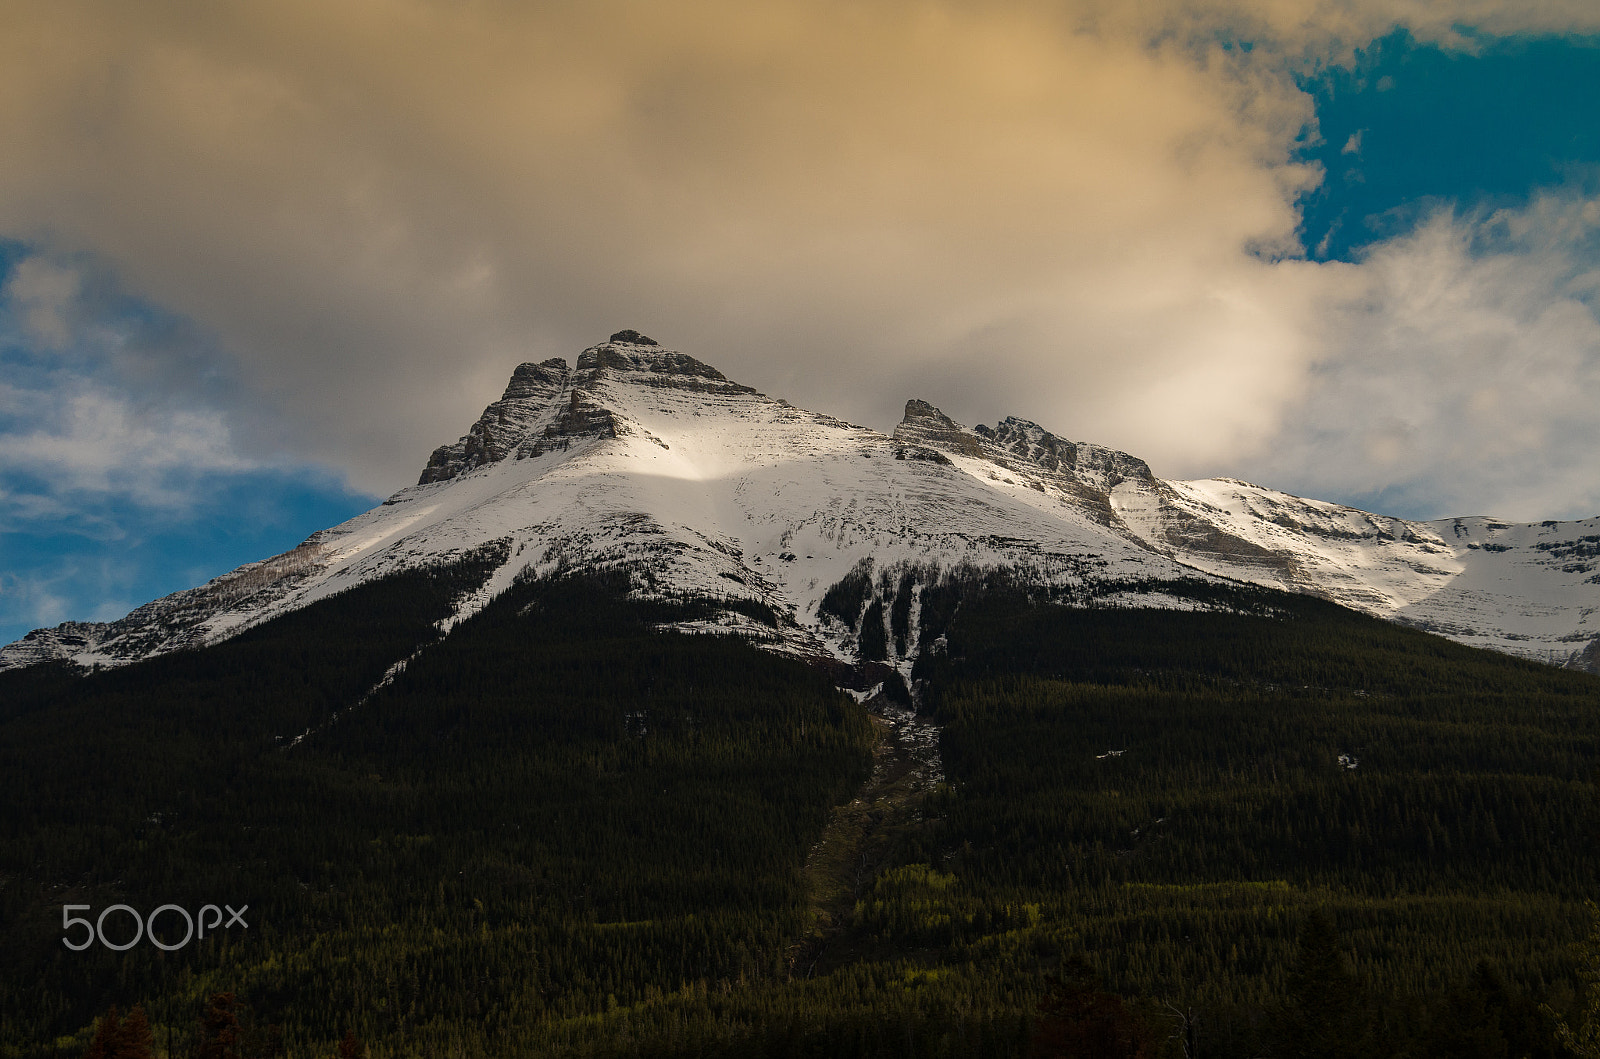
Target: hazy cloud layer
366	214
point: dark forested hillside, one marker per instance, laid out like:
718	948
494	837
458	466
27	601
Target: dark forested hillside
1187	788
1270	827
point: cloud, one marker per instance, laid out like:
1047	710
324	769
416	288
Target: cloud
44	293
102	412
45	598
1465	376
32	601
379	224
95	442
1327	30
367	214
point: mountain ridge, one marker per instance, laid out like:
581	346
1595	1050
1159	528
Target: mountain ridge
643	459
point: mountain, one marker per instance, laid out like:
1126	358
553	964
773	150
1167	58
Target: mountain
477	788
643	461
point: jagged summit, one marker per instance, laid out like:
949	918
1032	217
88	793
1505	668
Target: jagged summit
924	424
642	460
652	358
503	424
1022	446
547	404
632	337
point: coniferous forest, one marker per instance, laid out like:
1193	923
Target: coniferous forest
1267	826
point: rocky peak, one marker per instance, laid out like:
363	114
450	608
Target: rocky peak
653	359
1029	441
924	424
546	405
632	338
638	359
924	415
534	380
1093	465
529	394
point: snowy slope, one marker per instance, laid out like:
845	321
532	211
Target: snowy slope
643	459
1529	590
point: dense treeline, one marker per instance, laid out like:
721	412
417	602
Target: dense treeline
1186	788
1270	828
551	813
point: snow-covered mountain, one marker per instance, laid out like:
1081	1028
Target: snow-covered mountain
645	460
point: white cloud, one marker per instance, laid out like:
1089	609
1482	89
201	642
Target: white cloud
1465	377
44	294
25	511
33	600
1069	211
89	441
55	588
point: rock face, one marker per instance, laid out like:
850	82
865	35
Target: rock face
655	366
546	405
645	461
926	425
1099	468
1076	472
504	424
631	337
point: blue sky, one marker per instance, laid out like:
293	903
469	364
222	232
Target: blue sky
1410	134
253	269
119	483
1409	128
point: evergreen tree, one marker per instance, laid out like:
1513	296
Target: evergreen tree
220	1032
1079	1020
1584	1041
106	1034
134	1040
1323	1018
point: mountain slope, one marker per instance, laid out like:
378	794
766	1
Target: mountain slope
559	832
644	460
1528	590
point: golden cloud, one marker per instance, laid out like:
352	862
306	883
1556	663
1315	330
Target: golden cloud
1073	211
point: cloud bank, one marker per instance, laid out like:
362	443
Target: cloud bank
365	214
1464	378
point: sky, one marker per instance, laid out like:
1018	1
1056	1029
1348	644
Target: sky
258	260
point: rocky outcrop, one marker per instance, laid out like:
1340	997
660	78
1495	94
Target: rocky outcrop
1021	446
1093	465
496	434
547	407
926	425
1587	659
632	338
59	644
580	417
1083	473
647	362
